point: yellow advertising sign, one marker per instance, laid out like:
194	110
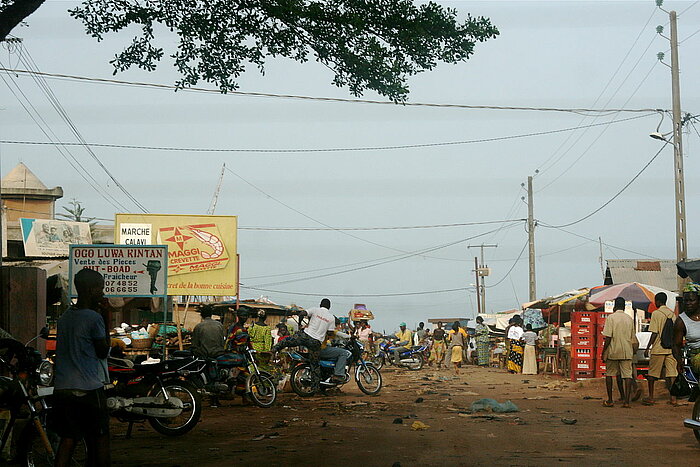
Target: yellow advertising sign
201	249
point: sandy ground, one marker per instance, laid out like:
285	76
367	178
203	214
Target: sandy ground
350	428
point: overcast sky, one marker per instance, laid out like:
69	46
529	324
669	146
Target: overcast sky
561	54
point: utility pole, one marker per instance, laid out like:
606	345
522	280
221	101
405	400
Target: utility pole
602	269
476	272
531	240
681	244
482	271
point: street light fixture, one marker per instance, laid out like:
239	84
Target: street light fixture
660	136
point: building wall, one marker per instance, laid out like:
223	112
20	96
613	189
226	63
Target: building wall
29	208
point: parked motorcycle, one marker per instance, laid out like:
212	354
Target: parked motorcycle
413	358
234	373
367	376
25	405
693	422
157	392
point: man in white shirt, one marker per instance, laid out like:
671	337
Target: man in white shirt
321	321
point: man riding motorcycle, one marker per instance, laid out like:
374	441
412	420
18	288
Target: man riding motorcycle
321	322
404	343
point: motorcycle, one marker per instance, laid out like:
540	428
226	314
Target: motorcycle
156	392
413	358
230	374
694	422
367	376
25	406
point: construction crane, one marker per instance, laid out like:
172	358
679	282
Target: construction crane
215	198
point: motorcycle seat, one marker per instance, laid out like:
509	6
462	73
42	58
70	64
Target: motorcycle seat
182	354
120	362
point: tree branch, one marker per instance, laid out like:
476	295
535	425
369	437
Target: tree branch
15	13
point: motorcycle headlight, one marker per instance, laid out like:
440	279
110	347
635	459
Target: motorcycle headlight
46	373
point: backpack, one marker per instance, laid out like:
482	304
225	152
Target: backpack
667	334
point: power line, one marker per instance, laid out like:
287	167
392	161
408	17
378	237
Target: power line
46	129
607	245
326	294
56	104
337	149
511	268
379	263
588	148
542	168
614	197
321	99
408	227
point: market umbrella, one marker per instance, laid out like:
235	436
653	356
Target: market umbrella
641	295
689	269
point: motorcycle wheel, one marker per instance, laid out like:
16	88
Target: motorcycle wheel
192	410
696	417
416	366
378	361
33	453
368	379
261	389
301	381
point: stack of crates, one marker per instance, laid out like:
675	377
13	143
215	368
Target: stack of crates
583	344
600	341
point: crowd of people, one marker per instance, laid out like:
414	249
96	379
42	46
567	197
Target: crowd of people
83	344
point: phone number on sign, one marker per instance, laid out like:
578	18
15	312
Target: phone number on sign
121	287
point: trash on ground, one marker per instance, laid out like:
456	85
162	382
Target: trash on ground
419	426
492	405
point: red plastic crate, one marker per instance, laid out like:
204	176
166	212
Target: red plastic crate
600	320
582	330
582	352
582	364
600	366
575	375
583	317
600	374
585	340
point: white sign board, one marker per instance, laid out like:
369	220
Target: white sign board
129	271
49	237
135	234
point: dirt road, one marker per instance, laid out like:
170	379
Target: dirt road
351	429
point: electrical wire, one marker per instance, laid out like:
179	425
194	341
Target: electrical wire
691	6
325	294
407	227
607	245
511	268
379	263
543	167
48	132
322	99
337	149
56	104
588	148
614	197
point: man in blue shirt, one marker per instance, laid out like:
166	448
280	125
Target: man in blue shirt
82	345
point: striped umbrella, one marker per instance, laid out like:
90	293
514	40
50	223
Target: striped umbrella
641	295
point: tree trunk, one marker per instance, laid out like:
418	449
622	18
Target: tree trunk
15	14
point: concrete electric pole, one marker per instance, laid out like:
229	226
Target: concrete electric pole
681	244
482	271
531	240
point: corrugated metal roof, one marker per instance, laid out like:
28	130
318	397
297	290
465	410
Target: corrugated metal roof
659	273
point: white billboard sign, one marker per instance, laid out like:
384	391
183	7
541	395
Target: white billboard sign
129	271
